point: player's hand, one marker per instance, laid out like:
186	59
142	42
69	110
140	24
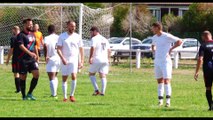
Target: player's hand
33	55
64	61
80	65
90	61
47	59
196	76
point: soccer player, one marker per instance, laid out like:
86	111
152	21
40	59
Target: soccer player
68	47
25	54
161	45
15	31
39	39
206	57
99	60
52	59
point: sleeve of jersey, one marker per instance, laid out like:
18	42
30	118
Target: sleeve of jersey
93	42
201	51
153	41
173	38
59	43
20	39
45	41
11	42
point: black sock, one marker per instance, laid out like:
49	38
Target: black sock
33	84
209	97
23	87
17	83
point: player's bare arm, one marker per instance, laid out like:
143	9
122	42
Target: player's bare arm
59	49
109	53
9	56
153	48
81	64
45	53
91	55
199	63
36	52
27	51
178	43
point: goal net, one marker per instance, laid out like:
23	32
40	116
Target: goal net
57	14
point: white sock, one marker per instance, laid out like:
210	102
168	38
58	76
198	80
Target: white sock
160	91
73	86
55	86
168	89
64	88
94	83
104	84
52	87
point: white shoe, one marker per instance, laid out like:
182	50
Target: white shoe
160	104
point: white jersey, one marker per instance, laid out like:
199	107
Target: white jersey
163	45
70	45
51	42
101	45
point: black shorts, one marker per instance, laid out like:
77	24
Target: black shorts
15	67
208	77
25	66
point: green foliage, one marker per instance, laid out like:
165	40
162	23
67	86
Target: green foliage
94	5
119	13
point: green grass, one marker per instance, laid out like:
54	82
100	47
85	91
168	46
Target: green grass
127	95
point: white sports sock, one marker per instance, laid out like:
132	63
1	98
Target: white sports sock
104	84
160	91
73	86
168	89
94	83
52	87
55	86
64	88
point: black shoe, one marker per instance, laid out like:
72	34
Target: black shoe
17	91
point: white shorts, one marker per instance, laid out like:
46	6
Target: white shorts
53	65
99	67
69	68
163	70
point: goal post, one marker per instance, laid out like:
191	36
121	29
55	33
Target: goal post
44	14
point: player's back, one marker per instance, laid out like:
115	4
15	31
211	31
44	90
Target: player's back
208	51
101	45
51	43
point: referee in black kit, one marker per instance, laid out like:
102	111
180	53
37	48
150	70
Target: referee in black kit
206	57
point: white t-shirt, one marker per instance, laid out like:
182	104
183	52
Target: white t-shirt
101	45
51	42
163	45
70	45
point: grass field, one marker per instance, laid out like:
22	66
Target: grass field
127	95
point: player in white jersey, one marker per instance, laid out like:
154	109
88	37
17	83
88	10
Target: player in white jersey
69	45
52	59
99	60
161	45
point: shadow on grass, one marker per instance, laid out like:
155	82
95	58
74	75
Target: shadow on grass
10	99
96	104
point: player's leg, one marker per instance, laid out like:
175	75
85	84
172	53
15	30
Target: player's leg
208	85
65	70
21	68
102	73
92	71
167	75
23	85
52	80
16	77
159	77
74	70
17	82
33	68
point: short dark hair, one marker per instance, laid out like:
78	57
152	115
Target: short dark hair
94	28
70	21
51	28
25	20
158	25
